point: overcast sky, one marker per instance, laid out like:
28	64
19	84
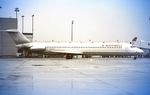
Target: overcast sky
96	20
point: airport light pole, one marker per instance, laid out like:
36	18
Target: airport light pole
72	30
22	24
32	25
17	10
0	7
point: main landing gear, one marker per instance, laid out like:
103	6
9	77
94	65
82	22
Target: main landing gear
69	56
135	57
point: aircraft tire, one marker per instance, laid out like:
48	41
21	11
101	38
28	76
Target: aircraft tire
69	56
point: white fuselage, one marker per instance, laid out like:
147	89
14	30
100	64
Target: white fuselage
93	48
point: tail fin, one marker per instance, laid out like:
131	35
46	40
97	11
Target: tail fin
134	40
17	37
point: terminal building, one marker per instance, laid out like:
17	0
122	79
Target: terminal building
7	46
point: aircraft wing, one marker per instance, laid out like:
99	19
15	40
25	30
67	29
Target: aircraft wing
66	51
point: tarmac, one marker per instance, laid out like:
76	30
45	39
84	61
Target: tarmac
58	76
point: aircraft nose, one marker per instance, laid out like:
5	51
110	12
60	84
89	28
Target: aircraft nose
140	51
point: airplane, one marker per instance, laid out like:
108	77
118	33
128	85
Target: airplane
70	49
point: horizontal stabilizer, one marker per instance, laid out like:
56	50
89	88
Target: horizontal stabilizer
17	37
